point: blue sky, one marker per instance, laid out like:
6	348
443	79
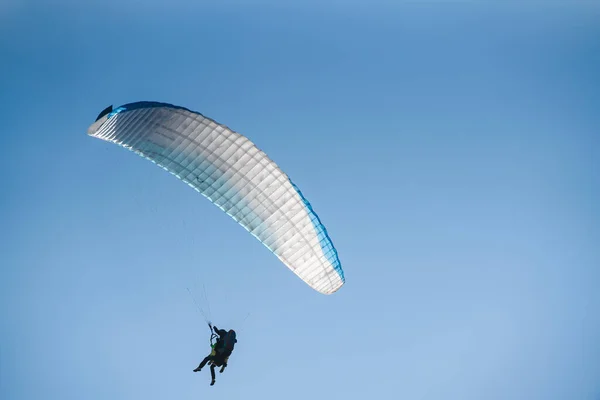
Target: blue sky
450	148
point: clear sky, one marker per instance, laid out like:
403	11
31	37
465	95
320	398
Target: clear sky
450	148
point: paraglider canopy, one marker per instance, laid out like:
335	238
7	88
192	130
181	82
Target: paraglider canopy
231	172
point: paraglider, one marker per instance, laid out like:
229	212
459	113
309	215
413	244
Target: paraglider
230	171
